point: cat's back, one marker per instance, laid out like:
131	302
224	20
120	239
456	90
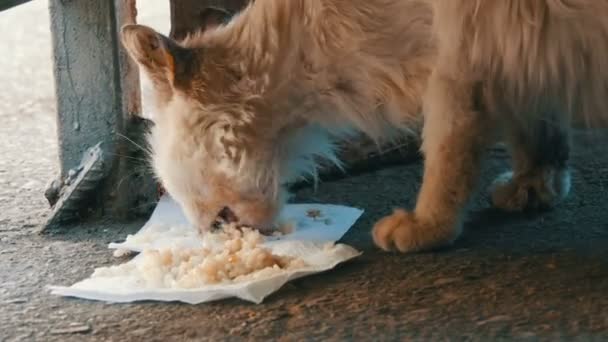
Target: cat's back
389	32
551	49
521	32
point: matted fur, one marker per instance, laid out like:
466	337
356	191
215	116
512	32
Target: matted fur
250	105
520	67
529	54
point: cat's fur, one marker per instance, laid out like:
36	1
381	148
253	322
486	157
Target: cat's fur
524	68
248	106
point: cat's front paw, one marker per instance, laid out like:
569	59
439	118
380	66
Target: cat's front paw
405	232
534	191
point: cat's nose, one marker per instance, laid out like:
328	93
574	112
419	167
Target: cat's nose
227	215
224	216
251	214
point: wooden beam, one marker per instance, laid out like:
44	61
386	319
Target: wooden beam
188	16
7	4
134	184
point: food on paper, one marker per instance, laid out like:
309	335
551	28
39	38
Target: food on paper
228	255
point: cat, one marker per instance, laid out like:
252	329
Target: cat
248	107
522	69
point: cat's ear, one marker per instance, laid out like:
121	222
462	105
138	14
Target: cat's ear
161	57
213	17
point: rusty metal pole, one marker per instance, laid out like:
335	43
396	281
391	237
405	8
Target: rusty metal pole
98	105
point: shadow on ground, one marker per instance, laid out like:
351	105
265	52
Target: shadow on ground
509	276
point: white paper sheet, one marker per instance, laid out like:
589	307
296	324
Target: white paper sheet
168	228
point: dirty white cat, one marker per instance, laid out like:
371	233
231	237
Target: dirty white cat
245	108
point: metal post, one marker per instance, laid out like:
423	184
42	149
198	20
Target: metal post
98	104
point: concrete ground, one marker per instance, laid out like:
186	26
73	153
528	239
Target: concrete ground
541	277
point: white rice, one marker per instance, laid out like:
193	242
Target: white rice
231	255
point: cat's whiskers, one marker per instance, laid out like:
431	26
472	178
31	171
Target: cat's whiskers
129	157
143	149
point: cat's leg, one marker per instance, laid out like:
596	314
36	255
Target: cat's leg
540	176
455	134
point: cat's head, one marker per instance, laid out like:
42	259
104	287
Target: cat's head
220	140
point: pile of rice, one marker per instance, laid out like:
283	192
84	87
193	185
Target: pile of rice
227	256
